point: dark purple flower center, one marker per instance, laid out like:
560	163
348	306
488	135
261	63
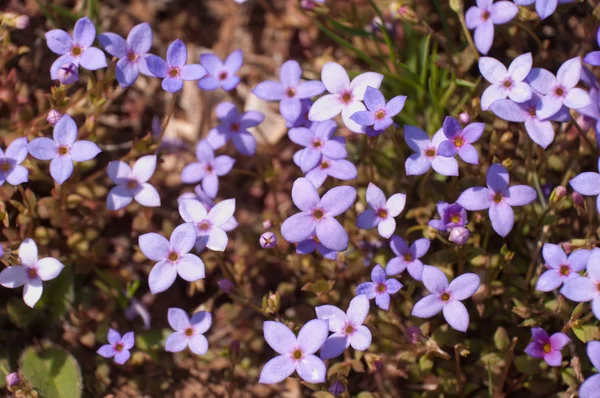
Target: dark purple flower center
189	332
381	288
76	51
349	329
173	72
380	115
318	214
32	273
346	97
317	143
498	197
132	57
382	213
430	152
547	348
223	75
267	240
445	297
5	166
173	256
297	354
209	168
204	226
63	150
565	270
408	257
132	184
559	91
119	347
485	15
290	92
325	164
459	141
235	127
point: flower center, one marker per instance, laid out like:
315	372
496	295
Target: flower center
346	97
76	51
498	198
325	164
173	256
445	297
132	184
317	144
381	288
349	329
459	141
209	168
317	241
222	75
430	152
132	57
565	270
408	257
5	166
119	347
379	115
507	83
382	213
547	348
485	15
173	72
531	111
235	127
318	214
189	332
63	150
455	218
204	225
32	273
598	287
559	91
297	354
290	92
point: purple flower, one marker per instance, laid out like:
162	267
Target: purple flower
380	288
68	73
173	257
547	347
11	170
268	240
174	71
311	244
498	198
77	49
426	153
208	203
234	127
593	58
221	74
53	117
12	379
484	16
588	183
295	354
290	91
591	386
348	329
586	288
318	142
451	216
562	268
30	273
446	297
118	347
63	149
591	112
209	225
318	215
345	96
132	183
379	114
407	257
381	212
336	388
505	83
459	235
341	169
540	131
132	52
188	332
560	90
544	8
208	169
460	140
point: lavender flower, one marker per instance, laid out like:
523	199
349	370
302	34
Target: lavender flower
446	297
347	328
560	90
588	184
593	58
311	244
268	240
498	198
547	347
379	114
590	387
188	332
132	52
53	117
380	288
68	73
381	212
562	268
118	347
174	71
586	288
318	215
76	50
407	257
12	379
295	354
63	149
505	83
11	170
208	203
209	225
234	127
345	96
132	183
459	235
460	140
290	91
451	216
221	74
484	16
31	272
208	169
173	257
426	155
544	8
318	142
341	169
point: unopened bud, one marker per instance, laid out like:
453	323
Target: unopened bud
21	22
271	303
68	74
459	235
12	379
225	285
464	118
578	202
413	334
267	224
53	116
268	240
336	389
558	195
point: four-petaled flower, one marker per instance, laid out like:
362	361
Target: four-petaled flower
379	114
174	71
544	8
505	83
132	183
451	216
586	288
209	225
407	257
235	127
318	141
118	346
446	297
207	169
341	169
381	212
591	386
588	183
426	153
562	268
380	288
460	140
547	347
221	74
188	332
11	170
484	16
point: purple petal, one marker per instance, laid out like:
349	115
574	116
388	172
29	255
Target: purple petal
399	245
157	66
395	105
304	195
192	72
469	154
503	11
592	58
277	369
144	168
331	234
520	92
548	106
549	281
416	138
367	219
542	80
65	131
154	246
211	63
393	286
312	369
119	172
417	164
364	118
434	279
497	179
492	70
301	136
576	98
162	276
18	175
177	54
484	36
190	267
140	38
542	133
147	195
342	169
209	83
383	124
361	339
335	148
128	340
358	310
290	108
59	41
192	173
61	168
234	61
298	227
222	212
395	266
44	148
569	73
383	301
84	32
553	358
279	337
106	351
325	108
309	89
420	247
374	99
554	255
593	352
178	319
335	345
591	386
337	200
447	149
176	342
415	269
502	218
114	44
201	321
333	315
375	197
559	340
579	259
378	274
451	127
126	72
386	227
118	197
82	151
545	8
312	336
172	84
245	143
519	195
182	239
456	315
464	286
367	289
269	91
198	344
587	183
580	290
335	78
13	276
427	307
473	17
473	131
92	58
223	165
534	350
360	83
474	199
290	73
508	110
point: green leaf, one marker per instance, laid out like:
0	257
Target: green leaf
52	371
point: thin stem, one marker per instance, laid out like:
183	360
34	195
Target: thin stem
459	375
163	129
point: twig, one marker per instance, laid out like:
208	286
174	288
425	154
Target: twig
510	355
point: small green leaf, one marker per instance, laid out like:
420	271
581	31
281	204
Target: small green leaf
52	371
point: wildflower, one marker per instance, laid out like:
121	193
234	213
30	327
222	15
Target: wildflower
347	328
317	215
558	90
381	212
21	22
344	96
464	118
426	155
311	244
11	170
63	149
174	71
12	379
460	140
407	257
234	127
547	347
208	203
379	114
173	257
318	142
132	183
53	116
451	216
221	74
118	347
593	58
290	91
68	74
498	198
268	240
132	53
562	268
446	297
295	354
188	332
484	16
586	288
459	235
341	169
209	225
590	387
588	184
77	49
505	83
544	8
380	288
208	169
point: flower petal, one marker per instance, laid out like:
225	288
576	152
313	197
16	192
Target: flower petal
357	311
325	108
177	53
298	227
59	41
202	321
580	290
139	38
503	11
277	369
190	267
335	78
182	239
147	196
360	83
118	197
92	59
335	317
587	183
162	276
311	369
312	336
519	195
192	72
337	200
331	234
49	268
178	319
32	291
13	276
464	286
82	151
144	168
305	195
198	344
269	91
474	199
114	44
290	73
502	218
334	346
28	252
217	239
279	337
456	315
192	210
427	307
554	255
484	36
176	342
157	66
434	279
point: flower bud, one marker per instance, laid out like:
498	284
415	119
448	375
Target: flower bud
225	285
271	303
267	224
336	388
459	235
464	118
558	195
21	22
68	73
578	202
268	240
12	379
413	334
53	116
